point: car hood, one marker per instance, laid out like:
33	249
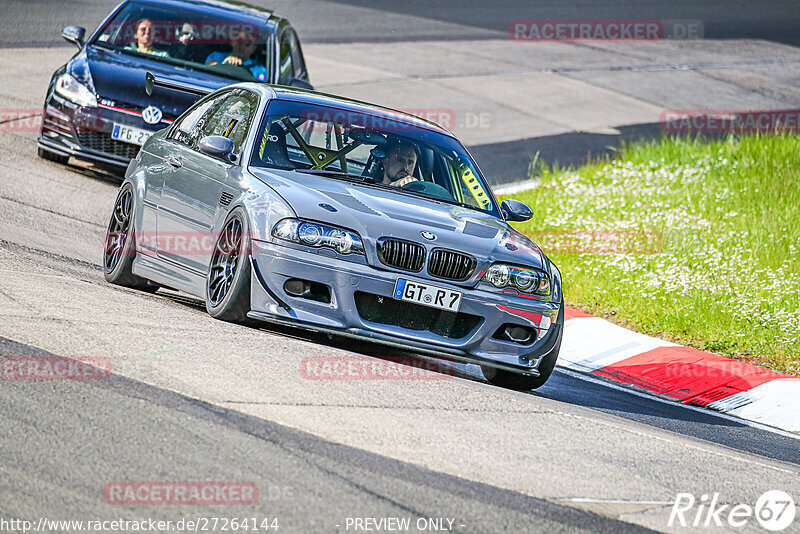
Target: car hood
120	78
376	212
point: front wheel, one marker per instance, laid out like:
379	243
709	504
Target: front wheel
519	382
228	281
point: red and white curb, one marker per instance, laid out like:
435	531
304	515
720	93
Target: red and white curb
597	347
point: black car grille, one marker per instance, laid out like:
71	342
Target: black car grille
102	142
401	254
386	310
450	265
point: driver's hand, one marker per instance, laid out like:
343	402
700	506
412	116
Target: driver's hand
404	181
233	60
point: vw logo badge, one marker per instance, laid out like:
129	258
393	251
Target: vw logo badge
427	235
151	115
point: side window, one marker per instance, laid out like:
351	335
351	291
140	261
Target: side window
188	127
297	55
286	66
232	118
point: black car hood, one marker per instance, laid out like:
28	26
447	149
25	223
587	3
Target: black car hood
377	212
121	78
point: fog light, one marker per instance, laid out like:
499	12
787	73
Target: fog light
296	287
515	333
306	289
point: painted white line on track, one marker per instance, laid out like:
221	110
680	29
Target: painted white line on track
614	501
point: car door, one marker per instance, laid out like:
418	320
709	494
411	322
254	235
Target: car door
181	143
193	194
156	164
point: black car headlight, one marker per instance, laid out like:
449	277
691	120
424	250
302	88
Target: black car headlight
524	279
314	234
74	91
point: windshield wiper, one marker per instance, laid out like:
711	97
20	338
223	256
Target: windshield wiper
338	174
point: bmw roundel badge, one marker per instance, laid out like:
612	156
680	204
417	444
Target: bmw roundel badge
428	235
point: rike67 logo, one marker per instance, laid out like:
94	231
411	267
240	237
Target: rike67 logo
774	511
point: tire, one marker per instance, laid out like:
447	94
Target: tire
520	382
228	278
52	156
119	246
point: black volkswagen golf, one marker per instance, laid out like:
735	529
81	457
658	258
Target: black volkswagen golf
96	107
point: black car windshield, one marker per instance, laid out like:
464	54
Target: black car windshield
405	154
189	39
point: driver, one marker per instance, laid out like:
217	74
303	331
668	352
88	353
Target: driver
243	48
399	164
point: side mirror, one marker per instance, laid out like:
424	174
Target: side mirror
515	211
217	146
300	83
74	34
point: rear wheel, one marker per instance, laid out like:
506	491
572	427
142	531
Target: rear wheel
228	281
119	249
52	156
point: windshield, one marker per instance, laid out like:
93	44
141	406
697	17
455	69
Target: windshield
226	47
370	149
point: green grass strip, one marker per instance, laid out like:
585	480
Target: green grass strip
693	240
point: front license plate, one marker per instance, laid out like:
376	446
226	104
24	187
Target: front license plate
427	295
129	134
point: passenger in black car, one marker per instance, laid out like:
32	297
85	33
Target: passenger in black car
145	38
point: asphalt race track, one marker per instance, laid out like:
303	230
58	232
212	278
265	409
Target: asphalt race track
194	399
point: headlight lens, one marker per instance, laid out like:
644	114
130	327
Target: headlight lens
526	280
498	275
72	90
313	234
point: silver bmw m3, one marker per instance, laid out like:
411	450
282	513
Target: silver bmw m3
315	211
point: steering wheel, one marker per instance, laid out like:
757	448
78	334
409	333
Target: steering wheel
428	188
234	71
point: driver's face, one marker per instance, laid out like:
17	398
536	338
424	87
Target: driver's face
144	33
399	164
244	47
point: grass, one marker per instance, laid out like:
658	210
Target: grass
694	241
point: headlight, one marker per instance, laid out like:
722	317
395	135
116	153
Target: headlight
72	90
314	234
527	280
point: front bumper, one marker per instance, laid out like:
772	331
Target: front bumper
85	133
273	265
